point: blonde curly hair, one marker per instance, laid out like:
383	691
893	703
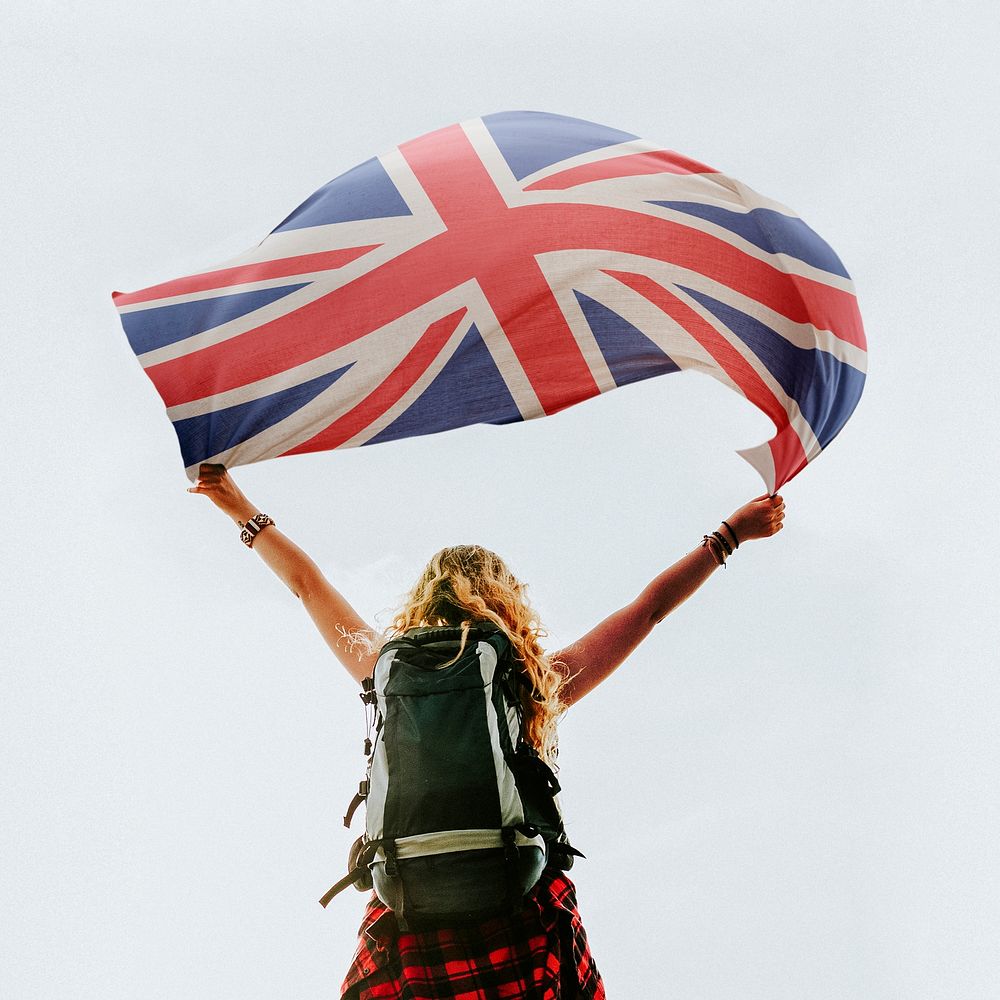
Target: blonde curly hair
463	584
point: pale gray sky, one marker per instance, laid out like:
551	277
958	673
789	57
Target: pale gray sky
790	790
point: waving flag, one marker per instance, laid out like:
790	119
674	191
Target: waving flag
498	270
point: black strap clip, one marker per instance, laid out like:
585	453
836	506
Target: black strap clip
507	834
368	691
391	862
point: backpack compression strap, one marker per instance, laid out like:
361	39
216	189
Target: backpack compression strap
360	869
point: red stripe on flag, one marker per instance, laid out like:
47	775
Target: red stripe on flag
801	300
633	165
725	355
388	392
454	178
786	449
327	260
484	232
535	326
340	317
831	309
488	241
787	454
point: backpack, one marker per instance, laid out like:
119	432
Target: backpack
462	814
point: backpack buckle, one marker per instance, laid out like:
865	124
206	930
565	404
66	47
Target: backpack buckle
355	802
391	864
367	694
508	836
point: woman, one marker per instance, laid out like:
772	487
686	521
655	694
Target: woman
543	952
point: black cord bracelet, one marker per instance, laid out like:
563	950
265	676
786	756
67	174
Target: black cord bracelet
722	541
733	533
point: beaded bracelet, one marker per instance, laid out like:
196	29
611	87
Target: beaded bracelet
253	528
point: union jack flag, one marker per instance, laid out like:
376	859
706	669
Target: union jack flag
499	270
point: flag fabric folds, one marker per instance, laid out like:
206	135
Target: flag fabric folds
499	270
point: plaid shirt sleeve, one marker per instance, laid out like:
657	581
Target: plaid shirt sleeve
542	954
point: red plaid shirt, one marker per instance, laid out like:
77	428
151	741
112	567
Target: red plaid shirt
541	954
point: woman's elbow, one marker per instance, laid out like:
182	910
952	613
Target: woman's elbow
304	584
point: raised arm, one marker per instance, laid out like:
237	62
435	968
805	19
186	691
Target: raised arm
595	656
329	610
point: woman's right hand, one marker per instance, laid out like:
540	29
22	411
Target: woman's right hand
760	518
215	482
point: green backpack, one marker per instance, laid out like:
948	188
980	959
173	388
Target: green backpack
462	814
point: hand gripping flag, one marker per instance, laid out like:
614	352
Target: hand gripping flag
498	270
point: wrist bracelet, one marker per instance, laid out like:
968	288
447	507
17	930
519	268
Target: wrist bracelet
713	546
722	541
733	533
253	528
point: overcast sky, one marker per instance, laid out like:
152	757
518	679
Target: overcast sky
791	788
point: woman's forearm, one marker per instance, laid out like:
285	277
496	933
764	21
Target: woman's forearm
343	629
289	563
595	656
677	583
